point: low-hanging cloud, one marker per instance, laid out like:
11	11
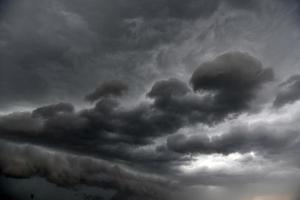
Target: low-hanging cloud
112	130
63	169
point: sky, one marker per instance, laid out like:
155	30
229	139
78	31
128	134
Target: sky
149	99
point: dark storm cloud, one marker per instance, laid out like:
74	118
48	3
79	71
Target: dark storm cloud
289	91
107	89
234	78
113	131
57	49
239	139
20	122
227	85
23	161
104	131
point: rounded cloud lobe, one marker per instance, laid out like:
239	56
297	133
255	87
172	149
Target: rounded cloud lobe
234	79
116	132
110	130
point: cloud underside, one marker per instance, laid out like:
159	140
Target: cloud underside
67	170
149	135
115	132
174	105
121	112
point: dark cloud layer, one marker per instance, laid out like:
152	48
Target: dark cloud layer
239	139
173	100
70	170
113	131
57	50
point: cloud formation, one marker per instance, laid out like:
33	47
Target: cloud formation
234	78
174	106
189	91
68	170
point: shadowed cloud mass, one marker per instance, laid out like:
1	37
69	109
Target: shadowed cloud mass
160	99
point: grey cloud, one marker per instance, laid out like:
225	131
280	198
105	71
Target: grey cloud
109	125
68	170
56	49
104	131
64	124
168	88
52	110
242	139
289	91
234	78
21	122
107	89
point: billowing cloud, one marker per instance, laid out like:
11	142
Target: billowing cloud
116	132
79	47
109	124
233	78
67	170
187	92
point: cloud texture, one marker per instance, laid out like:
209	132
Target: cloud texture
151	99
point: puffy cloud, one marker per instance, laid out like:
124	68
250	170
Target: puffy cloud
56	51
79	47
110	126
234	78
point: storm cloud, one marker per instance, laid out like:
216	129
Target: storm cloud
174	106
239	139
233	78
47	43
69	170
151	99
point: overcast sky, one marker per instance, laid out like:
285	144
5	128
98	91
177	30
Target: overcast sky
149	99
